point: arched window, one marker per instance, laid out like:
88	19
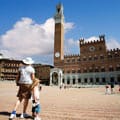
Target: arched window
111	68
78	59
103	80
63	80
85	70
90	58
116	54
112	80
85	80
101	57
90	69
79	80
68	81
102	69
91	80
68	71
79	71
109	55
84	58
73	71
118	67
97	80
118	79
73	60
95	57
73	80
68	60
96	69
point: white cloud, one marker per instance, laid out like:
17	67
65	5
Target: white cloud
68	26
71	46
27	38
91	39
112	43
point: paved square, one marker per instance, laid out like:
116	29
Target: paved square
65	104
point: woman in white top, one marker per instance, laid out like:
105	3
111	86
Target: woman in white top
24	81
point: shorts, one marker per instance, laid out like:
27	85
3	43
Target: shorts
36	109
24	91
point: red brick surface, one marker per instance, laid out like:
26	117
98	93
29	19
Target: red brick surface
65	104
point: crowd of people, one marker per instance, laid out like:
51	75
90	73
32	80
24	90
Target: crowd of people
109	88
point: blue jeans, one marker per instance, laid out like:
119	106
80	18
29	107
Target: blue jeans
36	109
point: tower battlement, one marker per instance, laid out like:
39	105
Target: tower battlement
71	55
101	40
114	50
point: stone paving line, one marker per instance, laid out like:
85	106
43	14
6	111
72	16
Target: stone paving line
65	104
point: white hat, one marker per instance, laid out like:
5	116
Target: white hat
28	60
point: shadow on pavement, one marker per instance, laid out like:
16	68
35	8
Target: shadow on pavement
8	114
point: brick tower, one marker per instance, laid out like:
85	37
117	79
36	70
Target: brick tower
59	36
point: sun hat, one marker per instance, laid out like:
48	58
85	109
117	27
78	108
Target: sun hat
35	82
28	60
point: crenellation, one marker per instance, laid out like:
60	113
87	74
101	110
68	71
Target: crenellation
118	49
102	37
81	41
84	43
114	50
71	55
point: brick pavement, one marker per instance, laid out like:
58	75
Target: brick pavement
65	104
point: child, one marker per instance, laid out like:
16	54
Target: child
35	102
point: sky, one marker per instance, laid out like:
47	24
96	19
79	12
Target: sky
27	26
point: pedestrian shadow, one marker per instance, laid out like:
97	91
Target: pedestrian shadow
4	113
7	113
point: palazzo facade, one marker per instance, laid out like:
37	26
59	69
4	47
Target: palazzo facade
95	65
9	70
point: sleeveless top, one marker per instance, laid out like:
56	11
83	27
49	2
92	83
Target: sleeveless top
25	74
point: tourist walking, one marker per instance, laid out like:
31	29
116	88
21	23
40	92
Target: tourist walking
107	89
24	81
112	87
